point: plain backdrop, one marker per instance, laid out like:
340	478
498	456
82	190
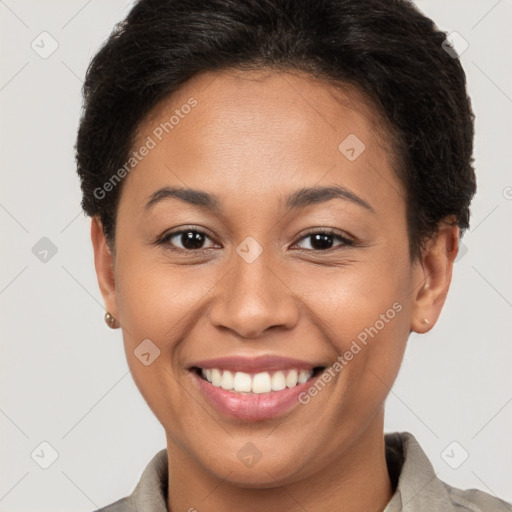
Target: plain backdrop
64	379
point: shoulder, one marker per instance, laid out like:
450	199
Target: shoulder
150	493
420	490
474	500
122	505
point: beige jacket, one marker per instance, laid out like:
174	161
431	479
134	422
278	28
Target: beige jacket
417	490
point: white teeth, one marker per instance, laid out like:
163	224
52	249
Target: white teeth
278	381
227	380
216	377
263	382
291	379
242	382
304	376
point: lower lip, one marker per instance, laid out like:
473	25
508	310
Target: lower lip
252	406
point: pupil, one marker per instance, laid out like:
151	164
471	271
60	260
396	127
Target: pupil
192	240
321	241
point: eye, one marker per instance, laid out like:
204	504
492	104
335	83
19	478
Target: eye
323	240
187	240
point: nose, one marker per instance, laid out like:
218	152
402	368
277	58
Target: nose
253	298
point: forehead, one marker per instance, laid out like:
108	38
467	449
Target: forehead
261	132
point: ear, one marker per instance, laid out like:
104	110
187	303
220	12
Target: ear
433	275
104	263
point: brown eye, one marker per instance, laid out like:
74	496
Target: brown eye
322	241
188	240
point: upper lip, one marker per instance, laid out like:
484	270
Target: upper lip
264	363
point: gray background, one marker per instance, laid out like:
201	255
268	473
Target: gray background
63	373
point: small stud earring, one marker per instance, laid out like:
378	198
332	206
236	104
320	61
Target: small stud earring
426	321
110	320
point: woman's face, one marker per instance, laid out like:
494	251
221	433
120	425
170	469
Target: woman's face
295	256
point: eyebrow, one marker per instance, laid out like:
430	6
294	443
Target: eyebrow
188	195
299	199
308	196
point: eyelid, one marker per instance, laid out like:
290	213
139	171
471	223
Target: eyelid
167	235
346	239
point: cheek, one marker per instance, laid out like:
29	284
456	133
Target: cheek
158	303
364	313
349	300
156	300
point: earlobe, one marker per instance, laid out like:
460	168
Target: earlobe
104	264
432	277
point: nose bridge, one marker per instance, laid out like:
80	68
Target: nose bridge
252	297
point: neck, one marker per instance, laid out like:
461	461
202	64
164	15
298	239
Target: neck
358	479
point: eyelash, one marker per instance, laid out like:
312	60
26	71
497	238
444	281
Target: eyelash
345	241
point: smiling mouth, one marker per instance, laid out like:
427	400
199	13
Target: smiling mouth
257	383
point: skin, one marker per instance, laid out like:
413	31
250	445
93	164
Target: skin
254	138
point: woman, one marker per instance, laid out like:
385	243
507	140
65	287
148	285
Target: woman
277	192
